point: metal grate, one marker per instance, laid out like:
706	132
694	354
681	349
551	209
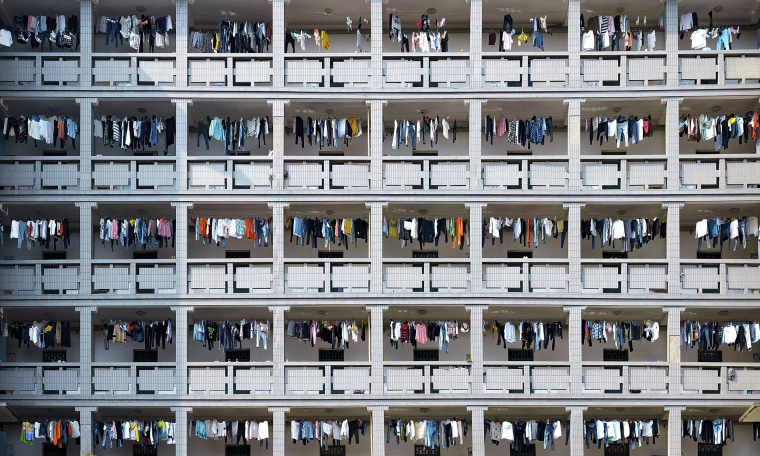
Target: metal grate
518	255
53	356
712	356
615	355
615	255
48	449
708	255
426	355
145	255
331	355
237	254
332	254
144	450
237	355
528	450
145	356
519	355
53	255
332	450
617	449
422	450
421	254
709	449
237	450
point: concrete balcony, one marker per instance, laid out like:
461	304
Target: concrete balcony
120	277
229	70
701	379
625	378
308	173
228	379
229	173
327	275
526	378
426	70
26	68
38	277
720	276
736	171
626	277
642	172
40	379
127	379
120	69
535	173
445	173
623	69
529	69
39	174
332	379
158	173
432	378
229	276
420	276
331	70
722	67
538	275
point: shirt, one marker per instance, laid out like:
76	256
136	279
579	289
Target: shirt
699	39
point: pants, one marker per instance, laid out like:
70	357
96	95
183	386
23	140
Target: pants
404	43
615	42
549	128
489	128
723	40
622	130
289	40
45	36
538	40
549	434
261	335
504	28
18	25
113	31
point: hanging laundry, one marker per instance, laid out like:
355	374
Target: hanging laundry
342	231
721	129
39	30
521	434
51	130
116	431
134	231
520	132
338	334
712	334
229	334
131	133
628	432
234	431
429	433
41	334
53	432
543	228
714	431
632	233
233	37
624	129
153	334
322	430
423	130
736	229
40	232
326	132
143	33
598	330
527	333
428	231
422	333
208	229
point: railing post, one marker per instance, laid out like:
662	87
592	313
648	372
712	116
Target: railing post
476	108
574	244
576	429
574	141
673	239
278	246
376	347
278	349
575	347
476	246
476	347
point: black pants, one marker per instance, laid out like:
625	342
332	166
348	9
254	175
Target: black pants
289	40
404	43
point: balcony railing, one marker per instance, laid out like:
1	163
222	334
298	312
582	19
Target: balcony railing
625	378
117	69
229	70
229	173
525	275
713	379
624	68
403	173
526	378
39	174
38	379
431	378
222	379
333	70
630	276
642	172
308	173
720	276
525	70
26	68
426	70
335	378
35	277
129	277
229	276
535	173
424	276
130	379
721	67
158	173
327	275
720	171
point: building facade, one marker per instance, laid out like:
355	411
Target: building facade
474	275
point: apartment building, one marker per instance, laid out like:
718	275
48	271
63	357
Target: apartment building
554	274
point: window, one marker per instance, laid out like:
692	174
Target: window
422	254
237	450
519	355
329	254
145	356
709	449
518	255
617	449
613	152
143	450
615	255
52	356
425	355
232	254
424	153
145	255
615	355
53	255
331	355
324	153
422	450
242	356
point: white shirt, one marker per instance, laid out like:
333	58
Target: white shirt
618	229
699	39
701	228
752	227
263	430
588	41
6	39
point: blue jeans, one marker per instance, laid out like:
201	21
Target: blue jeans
549	434
723	40
742	233
622	130
538	40
113	32
619	336
202	130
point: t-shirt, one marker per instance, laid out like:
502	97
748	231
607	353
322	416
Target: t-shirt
699	39
588	41
507	39
6	39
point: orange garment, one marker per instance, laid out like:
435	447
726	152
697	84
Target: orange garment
57	440
458	233
61	129
250	229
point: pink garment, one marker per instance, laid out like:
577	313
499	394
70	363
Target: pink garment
501	126
421	334
115	229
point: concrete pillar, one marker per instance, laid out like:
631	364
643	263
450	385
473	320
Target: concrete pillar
278	43
86	444
278	430
180	40
278	246
476	42
478	444
476	246
476	348
574	142
278	142
85	246
181	245
574	42
181	429
576	429
574	244
575	351
674	349
377	429
181	345
674	429
376	35
376	132
278	349
85	140
672	141
85	349
376	347
671	40
673	240
376	245
476	108
86	37
180	141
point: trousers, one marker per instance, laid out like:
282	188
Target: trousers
202	130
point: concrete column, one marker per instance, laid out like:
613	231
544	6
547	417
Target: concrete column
278	349
476	108
85	246
574	42
278	246
278	142
575	344
180	40
476	348
376	245
476	246
181	345
376	132
576	429
478	444
377	429
673	240
181	245
674	429
574	141
376	347
278	43
376	35
674	349
672	141
574	244
476	42
86	444
85	140
180	141
86	37
181	430
85	349
671	40
278	430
